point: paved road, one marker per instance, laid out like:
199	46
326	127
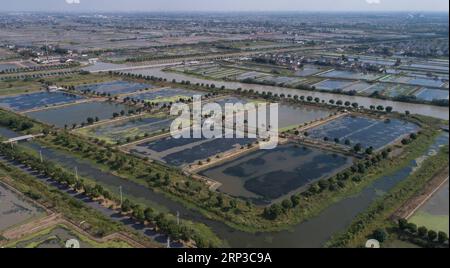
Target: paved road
159	238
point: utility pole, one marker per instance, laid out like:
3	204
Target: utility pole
40	156
76	173
168	242
178	218
121	196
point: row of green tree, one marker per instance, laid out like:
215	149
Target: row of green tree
166	224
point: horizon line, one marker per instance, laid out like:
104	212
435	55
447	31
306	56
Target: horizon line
226	11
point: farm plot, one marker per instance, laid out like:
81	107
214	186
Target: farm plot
15	210
434	213
127	130
358	87
309	70
399	90
166	95
58	236
331	85
350	75
114	87
380	88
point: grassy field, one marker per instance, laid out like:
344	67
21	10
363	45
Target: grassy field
432	222
79	79
18	87
36	239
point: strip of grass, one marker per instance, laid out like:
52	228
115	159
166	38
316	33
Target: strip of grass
77	235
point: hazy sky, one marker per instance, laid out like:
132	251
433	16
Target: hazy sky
224	5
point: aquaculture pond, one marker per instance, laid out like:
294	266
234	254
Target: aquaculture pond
366	131
183	151
313	233
308	70
289	116
349	75
166	95
128	128
271	174
429	94
401	107
293	116
114	87
8	66
78	113
434	214
426	82
37	100
330	85
14	209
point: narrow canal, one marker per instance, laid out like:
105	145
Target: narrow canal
313	233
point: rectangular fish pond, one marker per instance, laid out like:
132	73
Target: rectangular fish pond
31	101
114	87
78	113
266	175
184	151
126	130
15	210
429	94
366	131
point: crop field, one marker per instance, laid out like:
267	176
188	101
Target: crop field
6	54
378	87
78	113
309	70
365	131
37	100
15	210
399	90
18	87
166	95
124	130
272	174
114	87
56	237
434	214
330	85
350	75
358	87
429	94
216	71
